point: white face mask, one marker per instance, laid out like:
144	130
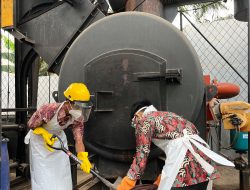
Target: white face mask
75	113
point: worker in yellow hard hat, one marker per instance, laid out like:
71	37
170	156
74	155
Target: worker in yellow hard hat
51	169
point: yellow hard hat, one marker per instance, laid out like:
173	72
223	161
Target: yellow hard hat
77	92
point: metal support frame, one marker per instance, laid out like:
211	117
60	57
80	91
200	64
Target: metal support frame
18	109
13	127
20	93
0	94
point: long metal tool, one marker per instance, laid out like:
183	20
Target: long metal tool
72	156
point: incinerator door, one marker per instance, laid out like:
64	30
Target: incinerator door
118	79
122	59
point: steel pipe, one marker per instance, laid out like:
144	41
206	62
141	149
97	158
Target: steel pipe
18	109
12	127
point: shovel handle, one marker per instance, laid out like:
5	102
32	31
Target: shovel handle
73	157
106	182
103	180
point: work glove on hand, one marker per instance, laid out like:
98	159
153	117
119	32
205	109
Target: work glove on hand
126	184
158	180
47	137
86	165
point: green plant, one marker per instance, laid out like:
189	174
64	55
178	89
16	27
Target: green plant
8	43
9	56
43	68
201	10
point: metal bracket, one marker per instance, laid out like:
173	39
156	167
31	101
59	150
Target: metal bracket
20	36
110	93
211	91
173	75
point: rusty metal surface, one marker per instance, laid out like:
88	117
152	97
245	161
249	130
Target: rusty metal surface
154	7
120	5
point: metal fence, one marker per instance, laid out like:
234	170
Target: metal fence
46	86
222	48
8	74
46	83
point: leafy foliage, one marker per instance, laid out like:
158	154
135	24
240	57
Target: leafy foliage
43	68
201	10
8	68
8	43
9	56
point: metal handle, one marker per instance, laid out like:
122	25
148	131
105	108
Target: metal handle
169	75
73	157
105	93
106	182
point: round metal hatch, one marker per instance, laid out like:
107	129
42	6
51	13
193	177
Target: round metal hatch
121	33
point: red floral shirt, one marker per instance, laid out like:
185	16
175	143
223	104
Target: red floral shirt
167	125
46	113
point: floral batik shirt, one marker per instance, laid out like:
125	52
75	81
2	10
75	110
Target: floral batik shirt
169	126
47	112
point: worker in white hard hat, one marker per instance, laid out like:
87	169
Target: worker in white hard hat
188	157
51	169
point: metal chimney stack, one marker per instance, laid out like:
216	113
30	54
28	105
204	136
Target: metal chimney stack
241	10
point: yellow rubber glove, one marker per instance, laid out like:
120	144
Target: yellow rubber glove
46	137
86	165
126	184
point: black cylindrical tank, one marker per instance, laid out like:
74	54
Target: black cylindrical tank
122	59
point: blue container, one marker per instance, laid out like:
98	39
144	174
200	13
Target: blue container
5	171
239	140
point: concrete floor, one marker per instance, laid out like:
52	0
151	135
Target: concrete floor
229	180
